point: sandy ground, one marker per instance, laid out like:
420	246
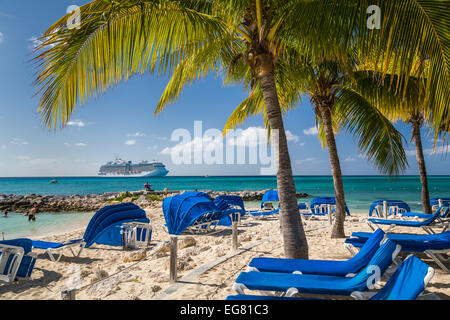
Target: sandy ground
144	274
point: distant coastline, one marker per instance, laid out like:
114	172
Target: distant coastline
93	202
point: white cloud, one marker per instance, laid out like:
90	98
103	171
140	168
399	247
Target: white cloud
311	131
1	37
130	142
76	123
437	150
302	161
137	134
292	137
80	144
18	141
250	138
23	158
350	159
3	147
196	145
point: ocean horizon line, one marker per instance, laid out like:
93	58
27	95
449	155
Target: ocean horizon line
212	176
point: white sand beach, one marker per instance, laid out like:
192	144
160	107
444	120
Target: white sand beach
207	266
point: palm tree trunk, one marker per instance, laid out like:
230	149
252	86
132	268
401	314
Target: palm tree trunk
422	168
294	238
338	225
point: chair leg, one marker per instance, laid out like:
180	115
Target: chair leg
435	257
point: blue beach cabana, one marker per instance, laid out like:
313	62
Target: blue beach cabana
269	197
394	207
319	205
232	205
191	210
113	225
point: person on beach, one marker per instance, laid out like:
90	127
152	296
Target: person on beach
147	187
5	215
32	214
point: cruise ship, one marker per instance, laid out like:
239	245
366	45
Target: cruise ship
121	168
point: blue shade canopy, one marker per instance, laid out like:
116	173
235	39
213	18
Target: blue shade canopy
25	243
271	195
390	203
104	226
230	204
302	206
318	201
182	211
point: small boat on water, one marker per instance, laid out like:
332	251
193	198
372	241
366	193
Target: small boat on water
53	181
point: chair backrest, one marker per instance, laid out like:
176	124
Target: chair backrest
378	264
271	195
434	216
408	281
368	250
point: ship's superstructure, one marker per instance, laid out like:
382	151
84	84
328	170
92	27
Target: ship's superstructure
121	168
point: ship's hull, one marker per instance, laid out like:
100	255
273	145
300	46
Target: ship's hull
155	173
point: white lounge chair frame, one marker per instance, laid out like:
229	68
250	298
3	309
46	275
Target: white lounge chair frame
130	234
204	224
436	255
53	252
443	223
17	254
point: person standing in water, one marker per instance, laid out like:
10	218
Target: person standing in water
5	215
32	214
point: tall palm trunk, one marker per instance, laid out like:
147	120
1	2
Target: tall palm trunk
416	123
338	225
294	239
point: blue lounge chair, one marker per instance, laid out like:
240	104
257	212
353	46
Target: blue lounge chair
435	220
267	202
291	284
401	209
323	267
16	259
115	225
433	245
437	202
407	283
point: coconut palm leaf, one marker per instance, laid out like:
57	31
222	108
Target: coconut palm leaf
377	138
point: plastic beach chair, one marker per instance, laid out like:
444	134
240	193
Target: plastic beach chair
290	284
436	246
16	259
116	225
407	283
323	267
435	220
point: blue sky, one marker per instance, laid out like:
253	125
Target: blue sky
121	122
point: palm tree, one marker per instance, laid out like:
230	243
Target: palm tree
191	38
411	108
330	86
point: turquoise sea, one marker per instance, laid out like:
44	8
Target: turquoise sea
360	191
